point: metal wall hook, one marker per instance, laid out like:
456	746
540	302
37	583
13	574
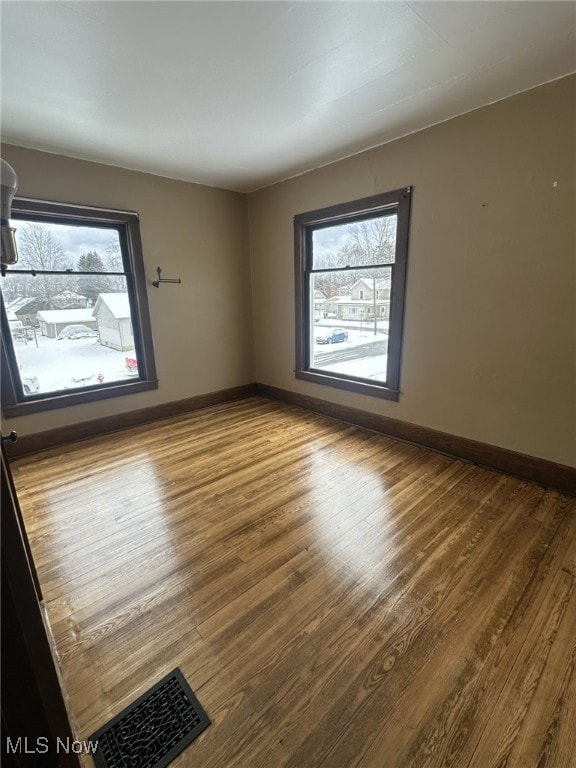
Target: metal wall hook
156	283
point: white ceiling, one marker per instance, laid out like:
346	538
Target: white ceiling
242	94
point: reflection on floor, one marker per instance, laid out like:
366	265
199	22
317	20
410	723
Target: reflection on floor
334	597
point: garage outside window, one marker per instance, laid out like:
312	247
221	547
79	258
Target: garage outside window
75	321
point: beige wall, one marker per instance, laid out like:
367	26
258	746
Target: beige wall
490	330
490	335
202	329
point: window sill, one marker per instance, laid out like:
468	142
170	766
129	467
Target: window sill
50	402
350	384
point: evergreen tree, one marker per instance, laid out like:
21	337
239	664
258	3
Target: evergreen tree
92	285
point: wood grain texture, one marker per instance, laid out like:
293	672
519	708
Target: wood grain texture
559	476
41	441
335	598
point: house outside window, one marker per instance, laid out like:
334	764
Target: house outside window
75	322
354	255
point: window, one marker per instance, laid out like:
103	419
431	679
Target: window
75	322
350	283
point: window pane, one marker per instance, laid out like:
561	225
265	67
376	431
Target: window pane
86	262
349	322
69	332
49	246
370	241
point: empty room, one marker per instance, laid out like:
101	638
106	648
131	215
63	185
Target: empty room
288	312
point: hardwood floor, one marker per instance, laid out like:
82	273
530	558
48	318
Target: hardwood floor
334	598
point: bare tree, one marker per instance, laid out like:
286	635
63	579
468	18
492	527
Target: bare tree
113	263
367	243
38	250
372	241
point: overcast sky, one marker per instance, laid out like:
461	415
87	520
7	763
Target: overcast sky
77	240
329	239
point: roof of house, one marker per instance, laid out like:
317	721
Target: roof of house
67	295
20	303
117	304
66	316
382	282
353	302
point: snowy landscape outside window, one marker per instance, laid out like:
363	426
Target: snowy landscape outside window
75	324
351	264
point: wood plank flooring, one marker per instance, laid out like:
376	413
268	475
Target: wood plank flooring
335	598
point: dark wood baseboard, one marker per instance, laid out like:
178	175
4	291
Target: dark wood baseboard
548	473
41	441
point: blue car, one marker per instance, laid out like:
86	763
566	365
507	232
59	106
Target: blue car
338	334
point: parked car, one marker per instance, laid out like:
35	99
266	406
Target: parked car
30	384
335	335
77	332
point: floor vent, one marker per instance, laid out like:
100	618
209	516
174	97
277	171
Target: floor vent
154	729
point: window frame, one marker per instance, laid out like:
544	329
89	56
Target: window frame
397	201
14	402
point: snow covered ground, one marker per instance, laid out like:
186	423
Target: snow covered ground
70	363
365	365
365	368
355	336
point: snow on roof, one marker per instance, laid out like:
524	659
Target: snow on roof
381	282
351	301
19	303
69	295
117	303
66	316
